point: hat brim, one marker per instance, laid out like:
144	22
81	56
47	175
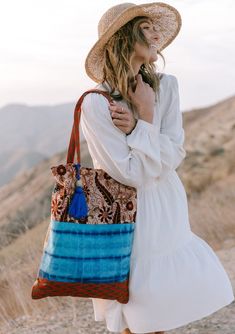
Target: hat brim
166	18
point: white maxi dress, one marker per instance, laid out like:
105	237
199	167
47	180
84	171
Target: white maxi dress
175	276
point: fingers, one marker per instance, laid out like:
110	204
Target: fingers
120	116
119	113
139	78
117	108
120	110
139	85
120	122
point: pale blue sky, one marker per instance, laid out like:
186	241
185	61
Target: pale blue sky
44	44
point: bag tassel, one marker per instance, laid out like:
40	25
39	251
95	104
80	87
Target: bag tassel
78	206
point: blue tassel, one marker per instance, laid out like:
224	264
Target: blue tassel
78	206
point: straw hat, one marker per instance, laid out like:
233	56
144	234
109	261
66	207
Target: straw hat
165	17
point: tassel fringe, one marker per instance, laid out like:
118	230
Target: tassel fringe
78	206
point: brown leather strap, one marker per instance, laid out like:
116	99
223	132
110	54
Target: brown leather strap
74	143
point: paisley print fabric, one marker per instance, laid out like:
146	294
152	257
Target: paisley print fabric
109	201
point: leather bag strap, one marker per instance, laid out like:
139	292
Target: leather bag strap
74	143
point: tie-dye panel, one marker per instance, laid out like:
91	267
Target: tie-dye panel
89	259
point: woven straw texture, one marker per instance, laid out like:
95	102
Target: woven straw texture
166	19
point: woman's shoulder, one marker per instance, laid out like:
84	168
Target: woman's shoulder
168	85
167	78
95	98
95	105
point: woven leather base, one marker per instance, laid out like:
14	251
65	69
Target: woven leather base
44	288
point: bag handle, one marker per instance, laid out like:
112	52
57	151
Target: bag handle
74	143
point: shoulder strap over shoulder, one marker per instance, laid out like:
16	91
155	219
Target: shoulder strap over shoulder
74	143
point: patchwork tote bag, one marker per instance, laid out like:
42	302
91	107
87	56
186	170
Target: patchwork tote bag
87	247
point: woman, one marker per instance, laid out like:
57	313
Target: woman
175	276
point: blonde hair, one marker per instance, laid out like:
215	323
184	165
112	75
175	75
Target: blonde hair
117	71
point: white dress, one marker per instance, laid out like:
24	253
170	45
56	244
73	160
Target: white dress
175	276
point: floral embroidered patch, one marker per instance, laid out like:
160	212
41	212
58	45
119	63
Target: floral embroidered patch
109	201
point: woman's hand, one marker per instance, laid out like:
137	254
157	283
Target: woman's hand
143	99
122	117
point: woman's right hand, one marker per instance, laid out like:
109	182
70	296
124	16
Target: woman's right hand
143	99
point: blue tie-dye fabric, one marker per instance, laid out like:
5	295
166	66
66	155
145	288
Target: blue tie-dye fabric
87	253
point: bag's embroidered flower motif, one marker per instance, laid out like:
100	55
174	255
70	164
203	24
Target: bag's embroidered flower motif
66	179
71	173
56	206
129	206
105	214
61	170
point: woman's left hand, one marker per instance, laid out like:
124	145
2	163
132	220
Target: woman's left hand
122	117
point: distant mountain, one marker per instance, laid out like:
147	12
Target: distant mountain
29	134
13	162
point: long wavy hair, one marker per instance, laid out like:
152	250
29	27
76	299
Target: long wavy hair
117	71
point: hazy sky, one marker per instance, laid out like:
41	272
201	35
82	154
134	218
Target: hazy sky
43	45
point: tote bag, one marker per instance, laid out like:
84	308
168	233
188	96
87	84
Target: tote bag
87	247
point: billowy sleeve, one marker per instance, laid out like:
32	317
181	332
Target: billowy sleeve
170	140
136	158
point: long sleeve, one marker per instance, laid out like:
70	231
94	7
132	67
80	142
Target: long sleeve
137	158
171	136
108	145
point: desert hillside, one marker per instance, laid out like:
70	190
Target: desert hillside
208	174
208	171
210	144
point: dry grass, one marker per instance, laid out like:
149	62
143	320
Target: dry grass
19	265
